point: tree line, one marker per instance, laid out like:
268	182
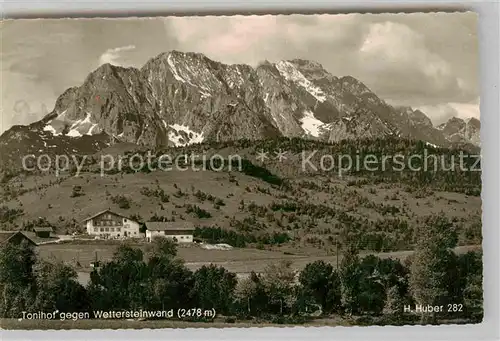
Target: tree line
361	289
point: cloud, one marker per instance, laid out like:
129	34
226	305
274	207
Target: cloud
388	44
40	59
251	39
23	100
398	63
112	56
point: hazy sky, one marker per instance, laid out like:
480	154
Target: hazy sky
427	61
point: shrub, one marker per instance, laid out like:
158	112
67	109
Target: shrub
122	201
77	191
8	215
198	212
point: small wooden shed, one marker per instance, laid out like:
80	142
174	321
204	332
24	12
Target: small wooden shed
43	232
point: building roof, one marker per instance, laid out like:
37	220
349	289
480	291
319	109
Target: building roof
43	229
5	236
169	226
106	211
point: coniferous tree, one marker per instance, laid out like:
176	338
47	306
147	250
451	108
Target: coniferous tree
430	263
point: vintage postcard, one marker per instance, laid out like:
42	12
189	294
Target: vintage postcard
240	171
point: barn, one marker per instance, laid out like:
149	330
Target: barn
14	237
179	231
42	232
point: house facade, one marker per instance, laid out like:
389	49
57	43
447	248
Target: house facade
179	231
108	224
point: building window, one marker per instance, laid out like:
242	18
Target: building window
124	220
102	229
112	229
117	229
107	229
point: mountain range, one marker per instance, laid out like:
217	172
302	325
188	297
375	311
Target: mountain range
180	98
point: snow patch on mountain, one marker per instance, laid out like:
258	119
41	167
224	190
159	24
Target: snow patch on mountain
290	73
181	135
51	130
82	127
266	97
78	128
62	114
91	129
74	133
311	124
86	119
174	69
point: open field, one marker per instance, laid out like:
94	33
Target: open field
87	252
240	261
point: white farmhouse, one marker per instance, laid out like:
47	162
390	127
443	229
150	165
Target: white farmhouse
108	224
179	231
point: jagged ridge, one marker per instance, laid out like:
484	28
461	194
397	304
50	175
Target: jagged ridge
180	98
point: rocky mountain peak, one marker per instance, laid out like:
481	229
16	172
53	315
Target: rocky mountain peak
179	98
419	117
453	125
474	122
108	71
403	109
463	131
354	86
310	69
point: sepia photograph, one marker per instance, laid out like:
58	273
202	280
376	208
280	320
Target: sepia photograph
240	171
